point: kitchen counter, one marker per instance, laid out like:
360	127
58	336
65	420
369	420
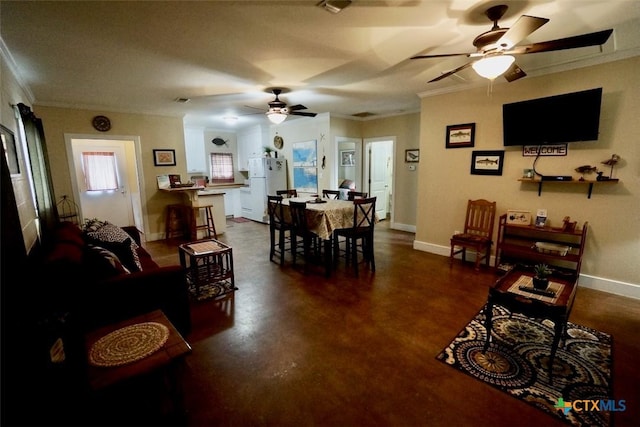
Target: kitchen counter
200	196
223	186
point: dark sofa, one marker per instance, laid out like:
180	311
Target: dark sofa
94	292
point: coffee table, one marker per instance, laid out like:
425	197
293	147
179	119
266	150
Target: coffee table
507	293
208	266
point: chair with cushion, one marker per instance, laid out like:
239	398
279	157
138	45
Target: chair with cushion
358	237
351	195
289	193
279	225
478	232
331	194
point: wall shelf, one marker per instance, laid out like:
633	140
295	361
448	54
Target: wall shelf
588	182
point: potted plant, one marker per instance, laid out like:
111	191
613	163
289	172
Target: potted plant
267	151
541	277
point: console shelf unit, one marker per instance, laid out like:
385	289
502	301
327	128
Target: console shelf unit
516	245
588	182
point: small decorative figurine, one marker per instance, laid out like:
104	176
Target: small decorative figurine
610	162
585	169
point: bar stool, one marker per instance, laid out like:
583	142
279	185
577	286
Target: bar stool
208	225
176	221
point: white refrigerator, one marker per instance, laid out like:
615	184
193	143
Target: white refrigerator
266	175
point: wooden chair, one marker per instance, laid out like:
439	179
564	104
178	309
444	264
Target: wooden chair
309	243
292	192
279	225
351	195
478	232
331	194
359	237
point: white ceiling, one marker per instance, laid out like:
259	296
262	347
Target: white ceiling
224	55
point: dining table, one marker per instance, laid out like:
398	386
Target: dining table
323	217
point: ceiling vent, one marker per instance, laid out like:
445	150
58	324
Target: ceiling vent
334	6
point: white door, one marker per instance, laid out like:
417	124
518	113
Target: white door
115	206
380	174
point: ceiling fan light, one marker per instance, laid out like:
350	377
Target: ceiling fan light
230	120
276	117
491	67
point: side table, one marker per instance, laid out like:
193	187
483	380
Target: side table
557	308
208	266
166	360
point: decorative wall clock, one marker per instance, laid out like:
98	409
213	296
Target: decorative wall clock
101	123
278	142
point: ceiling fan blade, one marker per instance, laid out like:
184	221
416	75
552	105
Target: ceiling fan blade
524	26
514	73
442	55
583	40
297	107
448	73
255	108
302	113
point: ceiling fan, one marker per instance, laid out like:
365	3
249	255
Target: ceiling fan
496	47
278	110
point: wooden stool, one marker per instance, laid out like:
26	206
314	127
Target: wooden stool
176	221
208	225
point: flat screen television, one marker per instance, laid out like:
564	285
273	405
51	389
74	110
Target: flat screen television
557	119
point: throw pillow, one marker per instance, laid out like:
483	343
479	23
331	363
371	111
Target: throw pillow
102	262
114	238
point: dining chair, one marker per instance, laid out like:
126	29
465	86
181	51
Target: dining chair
352	195
309	242
478	232
358	237
289	193
331	194
279	225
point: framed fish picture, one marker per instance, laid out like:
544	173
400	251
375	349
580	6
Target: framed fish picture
461	135
487	162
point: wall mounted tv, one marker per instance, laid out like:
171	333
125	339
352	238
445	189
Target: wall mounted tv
557	119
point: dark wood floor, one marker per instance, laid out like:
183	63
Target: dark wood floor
296	350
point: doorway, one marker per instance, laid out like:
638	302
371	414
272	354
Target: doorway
349	162
122	206
378	173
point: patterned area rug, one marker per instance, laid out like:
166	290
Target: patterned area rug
517	361
238	220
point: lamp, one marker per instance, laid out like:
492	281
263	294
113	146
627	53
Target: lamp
491	67
230	120
277	115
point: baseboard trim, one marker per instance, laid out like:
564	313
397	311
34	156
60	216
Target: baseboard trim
403	227
604	284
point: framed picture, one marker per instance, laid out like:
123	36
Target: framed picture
518	217
164	157
10	150
461	135
305	154
412	156
487	162
348	158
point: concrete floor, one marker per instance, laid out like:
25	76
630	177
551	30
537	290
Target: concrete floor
290	349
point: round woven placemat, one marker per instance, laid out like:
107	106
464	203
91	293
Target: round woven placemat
128	344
